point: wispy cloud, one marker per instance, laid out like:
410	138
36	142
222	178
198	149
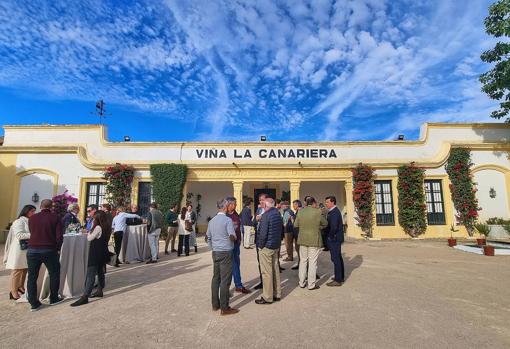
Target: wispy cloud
301	69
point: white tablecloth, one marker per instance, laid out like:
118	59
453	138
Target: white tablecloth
135	244
74	257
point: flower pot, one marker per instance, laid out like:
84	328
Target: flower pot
481	241
452	242
488	250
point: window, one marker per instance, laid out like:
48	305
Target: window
95	193
144	197
434	199
383	203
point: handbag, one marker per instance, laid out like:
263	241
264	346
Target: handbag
112	259
23	244
188	225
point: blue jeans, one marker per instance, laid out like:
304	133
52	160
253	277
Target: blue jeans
236	266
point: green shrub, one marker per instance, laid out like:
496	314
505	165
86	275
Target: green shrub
483	228
167	184
411	200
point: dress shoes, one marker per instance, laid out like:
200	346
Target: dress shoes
83	300
334	283
243	290
229	311
276	299
258	286
151	262
97	294
262	301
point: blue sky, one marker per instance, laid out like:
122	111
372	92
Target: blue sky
234	70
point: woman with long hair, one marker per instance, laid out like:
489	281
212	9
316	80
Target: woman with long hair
98	256
15	256
191	217
184	234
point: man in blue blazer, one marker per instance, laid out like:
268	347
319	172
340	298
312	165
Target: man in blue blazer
334	234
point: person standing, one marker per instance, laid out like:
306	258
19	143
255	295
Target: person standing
98	257
236	262
107	209
288	231
191	217
296	205
71	216
184	234
15	256
220	238
310	222
268	242
258	216
91	211
173	226
154	224
118	228
247	223
46	237
335	237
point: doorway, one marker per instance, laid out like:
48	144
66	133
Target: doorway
271	192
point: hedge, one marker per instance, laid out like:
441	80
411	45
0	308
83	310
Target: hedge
167	184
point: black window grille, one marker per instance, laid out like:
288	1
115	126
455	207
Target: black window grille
434	200
144	197
384	214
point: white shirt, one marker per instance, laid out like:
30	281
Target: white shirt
119	221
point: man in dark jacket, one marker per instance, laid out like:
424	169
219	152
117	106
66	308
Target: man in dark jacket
46	237
335	237
268	243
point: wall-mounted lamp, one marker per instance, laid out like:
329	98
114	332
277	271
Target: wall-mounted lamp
492	193
263	138
127	139
400	137
300	164
35	198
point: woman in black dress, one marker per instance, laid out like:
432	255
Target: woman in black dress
98	257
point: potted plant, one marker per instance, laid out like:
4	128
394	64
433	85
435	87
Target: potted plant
484	230
452	241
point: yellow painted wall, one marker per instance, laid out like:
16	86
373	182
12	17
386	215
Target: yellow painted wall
7	195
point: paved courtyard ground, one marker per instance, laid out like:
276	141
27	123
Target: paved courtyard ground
398	294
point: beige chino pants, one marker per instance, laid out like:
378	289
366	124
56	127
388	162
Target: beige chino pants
308	257
270	274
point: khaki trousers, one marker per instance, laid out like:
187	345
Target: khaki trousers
18	277
270	274
171	235
308	258
247	235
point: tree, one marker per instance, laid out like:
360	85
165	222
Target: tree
496	82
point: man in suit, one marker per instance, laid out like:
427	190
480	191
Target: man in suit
268	243
335	237
310	222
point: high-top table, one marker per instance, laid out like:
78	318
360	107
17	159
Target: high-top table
74	256
135	244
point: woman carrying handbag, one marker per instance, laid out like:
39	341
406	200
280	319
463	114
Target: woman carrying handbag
184	233
15	256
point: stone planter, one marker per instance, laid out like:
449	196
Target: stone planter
452	242
498	232
488	250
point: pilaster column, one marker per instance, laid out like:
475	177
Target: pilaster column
238	193
294	190
352	229
184	192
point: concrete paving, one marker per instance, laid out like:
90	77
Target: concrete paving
398	294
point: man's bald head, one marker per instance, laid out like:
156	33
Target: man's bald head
46	204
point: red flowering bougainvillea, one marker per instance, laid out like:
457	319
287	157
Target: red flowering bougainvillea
463	188
61	202
118	184
363	197
412	214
